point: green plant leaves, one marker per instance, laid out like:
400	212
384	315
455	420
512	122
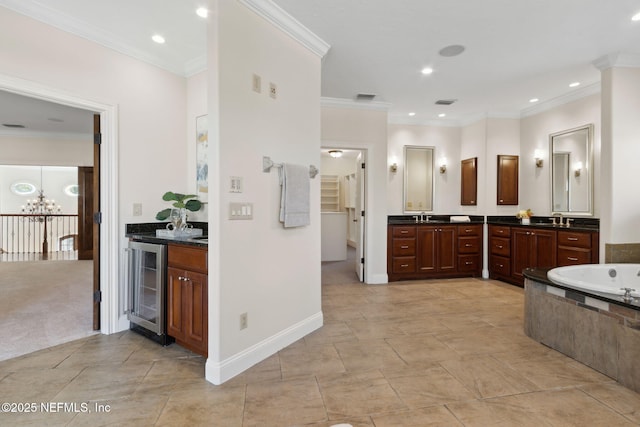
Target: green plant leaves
163	214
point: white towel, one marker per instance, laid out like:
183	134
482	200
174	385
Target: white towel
294	200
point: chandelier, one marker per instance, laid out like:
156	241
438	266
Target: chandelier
41	205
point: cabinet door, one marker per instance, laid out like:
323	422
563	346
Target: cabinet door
544	249
507	180
520	251
469	179
195	311
427	251
447	242
175	326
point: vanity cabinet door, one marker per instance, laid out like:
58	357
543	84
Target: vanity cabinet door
436	248
469	182
531	249
507	180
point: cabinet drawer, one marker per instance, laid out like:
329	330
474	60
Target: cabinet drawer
404	264
573	256
469	230
188	258
500	265
500	246
469	263
404	247
468	245
500	231
575	239
404	231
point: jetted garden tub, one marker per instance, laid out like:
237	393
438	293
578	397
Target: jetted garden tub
582	312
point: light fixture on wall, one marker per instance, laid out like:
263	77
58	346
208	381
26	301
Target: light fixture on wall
335	153
578	168
393	168
443	165
538	156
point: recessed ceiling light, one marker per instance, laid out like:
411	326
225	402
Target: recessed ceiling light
574	84
158	38
202	12
426	71
442	115
452	50
636	17
13	125
534	100
412	114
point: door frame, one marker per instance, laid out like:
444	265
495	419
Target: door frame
109	253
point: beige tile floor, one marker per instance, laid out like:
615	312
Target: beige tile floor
431	353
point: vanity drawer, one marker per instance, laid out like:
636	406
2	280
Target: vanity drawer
573	256
400	231
500	231
500	266
187	258
404	264
470	230
468	245
468	263
574	239
404	247
500	246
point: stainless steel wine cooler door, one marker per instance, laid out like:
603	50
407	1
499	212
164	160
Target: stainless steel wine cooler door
146	283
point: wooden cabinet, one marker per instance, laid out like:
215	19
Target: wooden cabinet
187	297
507	180
531	248
436	249
469	182
577	248
424	251
513	249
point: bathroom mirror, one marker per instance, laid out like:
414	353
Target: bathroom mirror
418	179
572	171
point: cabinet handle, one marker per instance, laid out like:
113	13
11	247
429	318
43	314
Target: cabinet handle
499	246
404	265
501	200
572	238
404	247
501	231
404	231
570	258
469	262
467	230
468	245
500	265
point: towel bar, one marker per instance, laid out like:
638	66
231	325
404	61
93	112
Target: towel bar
267	164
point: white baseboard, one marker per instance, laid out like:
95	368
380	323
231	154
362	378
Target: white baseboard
377	279
219	372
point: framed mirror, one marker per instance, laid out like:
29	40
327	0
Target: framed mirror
418	179
572	171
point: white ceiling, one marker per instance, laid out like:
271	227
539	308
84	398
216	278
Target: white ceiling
515	49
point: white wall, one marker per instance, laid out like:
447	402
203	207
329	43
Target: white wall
196	106
256	266
365	129
535	183
43	150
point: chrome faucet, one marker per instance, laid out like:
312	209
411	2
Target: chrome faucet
555	215
424	217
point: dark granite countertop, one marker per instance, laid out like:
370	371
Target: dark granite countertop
433	219
146	232
579	224
540	275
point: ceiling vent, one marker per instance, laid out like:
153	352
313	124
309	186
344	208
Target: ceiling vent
12	125
445	101
365	96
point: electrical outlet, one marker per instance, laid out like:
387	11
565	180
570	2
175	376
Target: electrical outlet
273	90
244	321
257	83
137	209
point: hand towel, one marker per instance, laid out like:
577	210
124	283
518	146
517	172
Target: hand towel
294	199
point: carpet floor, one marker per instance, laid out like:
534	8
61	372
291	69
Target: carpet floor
43	303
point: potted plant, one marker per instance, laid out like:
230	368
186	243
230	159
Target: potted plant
181	204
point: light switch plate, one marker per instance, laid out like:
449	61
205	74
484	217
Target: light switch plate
235	184
240	211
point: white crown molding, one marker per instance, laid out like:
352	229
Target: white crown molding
575	95
288	24
618	59
354	105
412	121
195	66
44	13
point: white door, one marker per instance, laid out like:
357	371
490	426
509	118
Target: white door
359	218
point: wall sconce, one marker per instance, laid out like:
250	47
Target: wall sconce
335	153
538	156
393	168
443	165
578	168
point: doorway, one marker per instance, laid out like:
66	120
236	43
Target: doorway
343	214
